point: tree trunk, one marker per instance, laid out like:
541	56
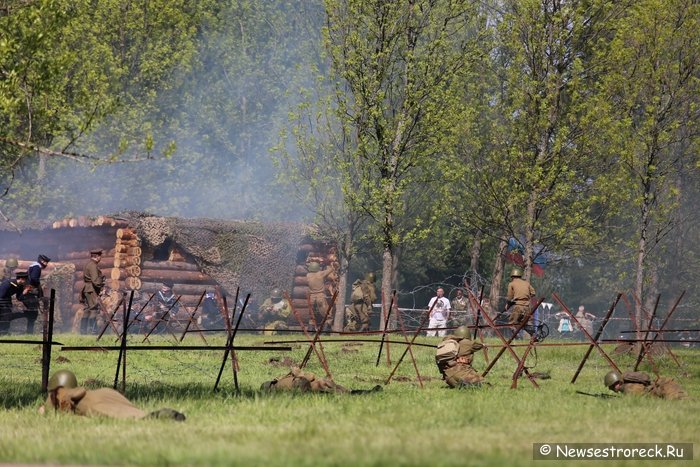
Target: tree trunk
339	318
497	276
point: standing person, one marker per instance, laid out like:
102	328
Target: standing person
8	271
66	396
440	313
460	307
93	280
33	292
519	294
585	319
363	296
317	291
8	288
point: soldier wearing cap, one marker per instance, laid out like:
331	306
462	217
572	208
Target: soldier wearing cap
639	384
8	288
33	291
458	371
519	294
94	281
363	295
66	396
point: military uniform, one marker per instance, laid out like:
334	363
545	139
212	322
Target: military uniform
519	294
33	293
274	313
8	289
459	372
66	396
364	294
460	306
303	381
93	282
317	292
639	384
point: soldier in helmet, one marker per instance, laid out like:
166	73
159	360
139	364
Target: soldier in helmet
8	271
8	289
639	383
518	299
66	396
274	312
454	358
363	295
316	279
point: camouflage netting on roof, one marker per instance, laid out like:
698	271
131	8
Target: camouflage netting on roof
253	255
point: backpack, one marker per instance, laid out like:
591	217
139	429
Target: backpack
446	352
357	295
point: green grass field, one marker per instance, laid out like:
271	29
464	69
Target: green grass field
402	425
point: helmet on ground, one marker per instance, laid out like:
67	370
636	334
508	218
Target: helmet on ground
11	263
62	378
313	266
516	272
370	277
611	378
276	293
462	332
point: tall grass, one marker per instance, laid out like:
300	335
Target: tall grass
402	425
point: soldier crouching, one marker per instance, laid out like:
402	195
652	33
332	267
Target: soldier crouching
456	369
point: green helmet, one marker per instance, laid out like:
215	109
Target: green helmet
314	266
276	293
11	263
62	378
611	378
370	277
516	272
461	332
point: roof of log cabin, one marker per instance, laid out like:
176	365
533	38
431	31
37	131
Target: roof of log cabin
255	256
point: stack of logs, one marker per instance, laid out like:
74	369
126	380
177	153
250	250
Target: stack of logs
127	261
84	221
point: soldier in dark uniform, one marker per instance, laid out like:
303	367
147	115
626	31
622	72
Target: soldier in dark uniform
8	289
640	384
65	396
33	292
94	281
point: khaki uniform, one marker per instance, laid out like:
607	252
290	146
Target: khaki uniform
664	387
104	402
519	292
94	281
317	294
363	296
459	314
459	372
304	381
274	314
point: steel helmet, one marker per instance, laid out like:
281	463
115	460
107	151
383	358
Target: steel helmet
62	378
314	266
462	332
276	293
611	378
370	277
11	263
516	272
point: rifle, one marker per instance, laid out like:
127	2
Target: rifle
600	394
